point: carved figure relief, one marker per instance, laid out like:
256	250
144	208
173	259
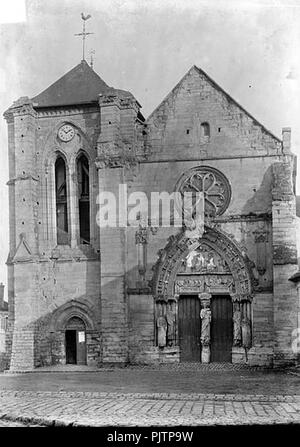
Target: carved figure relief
184	256
205	315
170	317
203	260
193	213
161	324
141	240
237	329
188	285
246	332
216	281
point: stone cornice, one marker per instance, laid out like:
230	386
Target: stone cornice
37	259
122	103
23	106
243	217
215	222
66	111
139	291
109	100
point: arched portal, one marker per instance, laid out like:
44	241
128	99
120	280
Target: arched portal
202	289
75	336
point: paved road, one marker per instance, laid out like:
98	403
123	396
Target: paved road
144	397
168	380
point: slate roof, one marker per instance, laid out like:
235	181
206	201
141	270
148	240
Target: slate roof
81	85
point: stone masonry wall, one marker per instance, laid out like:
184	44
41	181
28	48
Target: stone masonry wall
245	152
38	295
113	302
43	278
142	347
174	130
285	262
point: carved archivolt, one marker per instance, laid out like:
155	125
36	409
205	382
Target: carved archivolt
214	261
73	308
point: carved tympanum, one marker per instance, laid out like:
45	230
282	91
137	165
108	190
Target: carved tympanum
182	253
203	260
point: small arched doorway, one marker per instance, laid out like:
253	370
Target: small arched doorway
75	341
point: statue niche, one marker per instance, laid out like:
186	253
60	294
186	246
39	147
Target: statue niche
205	316
166	324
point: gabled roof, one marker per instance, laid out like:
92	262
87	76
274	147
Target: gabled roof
80	85
215	85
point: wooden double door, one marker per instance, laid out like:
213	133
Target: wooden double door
189	328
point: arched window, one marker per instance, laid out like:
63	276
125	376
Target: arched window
61	202
205	131
84	199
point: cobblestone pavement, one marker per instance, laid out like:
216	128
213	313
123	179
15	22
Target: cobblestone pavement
102	409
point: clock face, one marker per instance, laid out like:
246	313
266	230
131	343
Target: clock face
66	132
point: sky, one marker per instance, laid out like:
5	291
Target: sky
250	48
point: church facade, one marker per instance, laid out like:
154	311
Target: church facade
83	293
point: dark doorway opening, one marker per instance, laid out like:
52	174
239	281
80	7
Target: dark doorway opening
71	347
221	328
75	342
189	328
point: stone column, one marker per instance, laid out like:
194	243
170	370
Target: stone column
205	316
71	180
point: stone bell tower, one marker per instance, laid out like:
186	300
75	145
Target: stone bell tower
61	143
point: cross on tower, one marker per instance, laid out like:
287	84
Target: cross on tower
83	34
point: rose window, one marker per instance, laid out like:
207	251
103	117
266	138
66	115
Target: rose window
214	185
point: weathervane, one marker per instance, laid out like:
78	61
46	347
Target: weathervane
84	34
